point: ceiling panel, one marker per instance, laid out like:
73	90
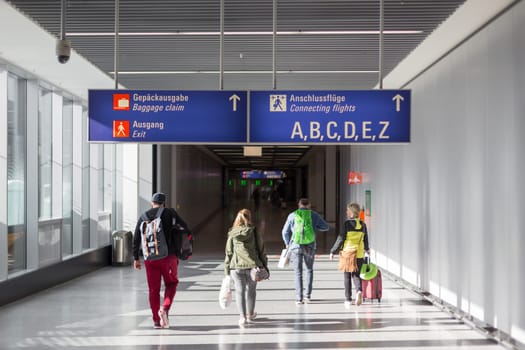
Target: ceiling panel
190	54
180	57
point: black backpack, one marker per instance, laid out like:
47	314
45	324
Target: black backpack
183	242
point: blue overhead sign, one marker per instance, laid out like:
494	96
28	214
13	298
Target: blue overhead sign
168	116
262	174
311	117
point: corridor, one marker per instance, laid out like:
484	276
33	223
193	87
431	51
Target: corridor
108	309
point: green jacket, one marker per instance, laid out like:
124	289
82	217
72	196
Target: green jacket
241	251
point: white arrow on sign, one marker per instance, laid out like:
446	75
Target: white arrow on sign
398	98
234	98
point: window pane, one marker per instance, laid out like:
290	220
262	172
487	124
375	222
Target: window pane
67	178
100	171
85	184
108	178
16	173
44	153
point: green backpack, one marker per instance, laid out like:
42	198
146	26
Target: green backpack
303	232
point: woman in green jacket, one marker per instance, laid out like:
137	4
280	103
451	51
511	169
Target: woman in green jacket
244	251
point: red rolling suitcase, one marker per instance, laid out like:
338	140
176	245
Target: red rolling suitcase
373	289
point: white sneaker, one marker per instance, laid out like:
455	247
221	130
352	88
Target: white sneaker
307	300
164	321
242	321
359	299
347	304
250	319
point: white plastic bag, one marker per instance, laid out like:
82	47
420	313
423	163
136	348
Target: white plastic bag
284	260
225	294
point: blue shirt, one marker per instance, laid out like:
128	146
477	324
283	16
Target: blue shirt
317	222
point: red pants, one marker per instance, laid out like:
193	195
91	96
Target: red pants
155	270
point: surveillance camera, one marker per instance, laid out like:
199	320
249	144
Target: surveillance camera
63	50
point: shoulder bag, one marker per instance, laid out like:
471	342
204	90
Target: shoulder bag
259	273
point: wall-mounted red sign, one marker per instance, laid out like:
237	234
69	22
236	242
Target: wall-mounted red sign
355	177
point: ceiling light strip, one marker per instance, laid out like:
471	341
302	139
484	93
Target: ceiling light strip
240	33
248	72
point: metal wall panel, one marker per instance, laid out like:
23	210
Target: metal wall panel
197	185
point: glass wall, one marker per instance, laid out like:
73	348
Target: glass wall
58	187
16	173
45	155
100	175
67	177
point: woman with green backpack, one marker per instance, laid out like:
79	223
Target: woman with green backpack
352	243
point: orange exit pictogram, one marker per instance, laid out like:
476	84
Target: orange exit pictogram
121	128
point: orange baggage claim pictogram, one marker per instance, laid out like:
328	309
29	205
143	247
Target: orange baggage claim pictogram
121	102
121	128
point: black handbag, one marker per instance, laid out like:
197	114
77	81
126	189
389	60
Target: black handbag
259	274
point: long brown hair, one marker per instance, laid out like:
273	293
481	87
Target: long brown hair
244	218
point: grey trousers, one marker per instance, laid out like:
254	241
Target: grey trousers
245	291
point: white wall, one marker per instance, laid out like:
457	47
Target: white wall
447	208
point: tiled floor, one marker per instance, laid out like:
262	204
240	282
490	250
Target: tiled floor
108	309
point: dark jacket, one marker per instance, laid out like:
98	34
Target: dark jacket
241	249
169	217
349	225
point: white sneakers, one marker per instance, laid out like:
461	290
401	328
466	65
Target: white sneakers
164	321
359	299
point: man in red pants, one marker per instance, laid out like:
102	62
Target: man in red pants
165	268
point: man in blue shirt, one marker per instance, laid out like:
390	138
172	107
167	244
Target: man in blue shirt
299	232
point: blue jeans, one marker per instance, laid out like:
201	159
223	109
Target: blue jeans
306	253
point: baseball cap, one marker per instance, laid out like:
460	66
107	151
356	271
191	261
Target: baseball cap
158	197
